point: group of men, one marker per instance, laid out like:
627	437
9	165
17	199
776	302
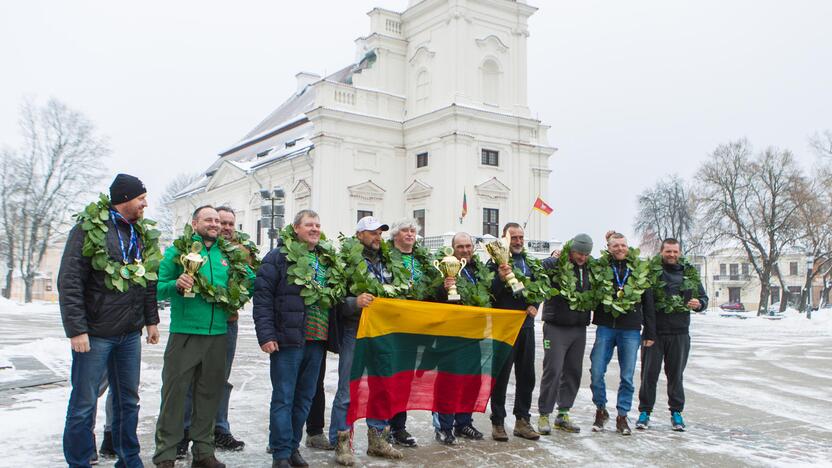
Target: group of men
307	301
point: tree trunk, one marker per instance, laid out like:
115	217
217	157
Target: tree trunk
28	284
7	289
765	292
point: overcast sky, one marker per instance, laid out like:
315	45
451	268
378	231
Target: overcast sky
632	90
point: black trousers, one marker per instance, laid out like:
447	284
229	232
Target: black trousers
522	358
673	350
315	420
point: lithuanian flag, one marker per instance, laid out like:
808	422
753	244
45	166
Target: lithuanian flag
412	355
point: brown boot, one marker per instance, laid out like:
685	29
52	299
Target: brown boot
601	417
523	429
343	450
498	432
207	462
378	444
166	464
622	426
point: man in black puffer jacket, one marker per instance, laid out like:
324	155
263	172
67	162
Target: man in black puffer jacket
105	325
564	341
672	341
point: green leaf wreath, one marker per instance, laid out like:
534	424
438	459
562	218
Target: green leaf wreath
675	303
535	291
244	240
231	298
360	279
118	276
565	282
637	283
477	295
302	273
426	286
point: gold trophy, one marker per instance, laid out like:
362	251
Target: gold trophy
500	253
450	267
192	263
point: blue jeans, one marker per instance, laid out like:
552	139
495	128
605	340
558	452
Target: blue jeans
108	408
338	417
627	342
294	375
221	422
120	358
446	421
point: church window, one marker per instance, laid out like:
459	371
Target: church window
422	90
490	221
419	215
491	82
421	160
363	214
490	157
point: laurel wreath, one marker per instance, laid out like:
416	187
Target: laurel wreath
637	283
565	282
424	287
237	291
675	303
537	290
118	276
360	279
479	294
302	272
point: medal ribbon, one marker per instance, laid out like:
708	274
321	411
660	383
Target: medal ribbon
375	271
470	278
134	239
618	281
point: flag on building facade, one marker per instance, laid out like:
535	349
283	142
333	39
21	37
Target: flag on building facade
542	206
464	207
414	355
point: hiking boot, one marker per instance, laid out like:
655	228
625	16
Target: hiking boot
166	464
182	446
226	441
403	438
207	462
446	436
296	460
343	451
677	421
543	426
643	421
106	449
318	441
284	463
378	446
469	432
523	429
498	432
622	426
601	418
563	423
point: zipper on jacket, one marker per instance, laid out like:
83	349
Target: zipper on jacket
211	269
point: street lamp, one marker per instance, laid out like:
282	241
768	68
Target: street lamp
810	263
272	214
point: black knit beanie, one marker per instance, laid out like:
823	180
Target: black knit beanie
125	188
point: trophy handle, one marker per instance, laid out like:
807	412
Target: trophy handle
463	262
436	265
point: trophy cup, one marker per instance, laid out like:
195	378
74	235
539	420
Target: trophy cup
191	263
450	267
500	253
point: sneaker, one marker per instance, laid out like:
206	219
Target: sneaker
643	421
446	436
601	417
523	429
622	426
226	441
677	422
207	462
469	432
543	426
106	449
563	423
296	460
182	447
318	441
498	432
403	438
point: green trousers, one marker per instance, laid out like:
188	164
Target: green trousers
198	361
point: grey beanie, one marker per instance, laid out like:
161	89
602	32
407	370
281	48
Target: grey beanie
582	243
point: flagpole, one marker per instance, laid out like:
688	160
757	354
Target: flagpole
528	217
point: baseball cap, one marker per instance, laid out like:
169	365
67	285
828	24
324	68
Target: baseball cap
369	223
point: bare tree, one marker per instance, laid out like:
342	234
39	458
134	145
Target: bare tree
165	215
60	154
666	210
750	201
814	221
9	211
821	143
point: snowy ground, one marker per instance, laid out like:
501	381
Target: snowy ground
757	395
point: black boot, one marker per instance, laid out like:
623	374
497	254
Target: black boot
106	449
296	460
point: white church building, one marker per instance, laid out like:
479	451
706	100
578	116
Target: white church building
434	108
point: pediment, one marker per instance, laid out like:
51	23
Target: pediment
493	188
417	190
367	190
225	174
422	54
302	190
493	42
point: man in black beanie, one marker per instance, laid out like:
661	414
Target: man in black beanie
107	294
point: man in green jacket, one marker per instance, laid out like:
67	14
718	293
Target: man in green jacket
196	350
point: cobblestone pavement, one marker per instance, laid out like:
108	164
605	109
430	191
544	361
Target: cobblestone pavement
756	396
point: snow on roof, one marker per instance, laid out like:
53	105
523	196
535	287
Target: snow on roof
194	187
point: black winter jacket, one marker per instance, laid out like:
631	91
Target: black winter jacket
504	298
279	312
677	323
556	311
87	306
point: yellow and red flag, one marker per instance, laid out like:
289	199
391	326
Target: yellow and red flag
542	206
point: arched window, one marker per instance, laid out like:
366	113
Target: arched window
490	82
422	90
